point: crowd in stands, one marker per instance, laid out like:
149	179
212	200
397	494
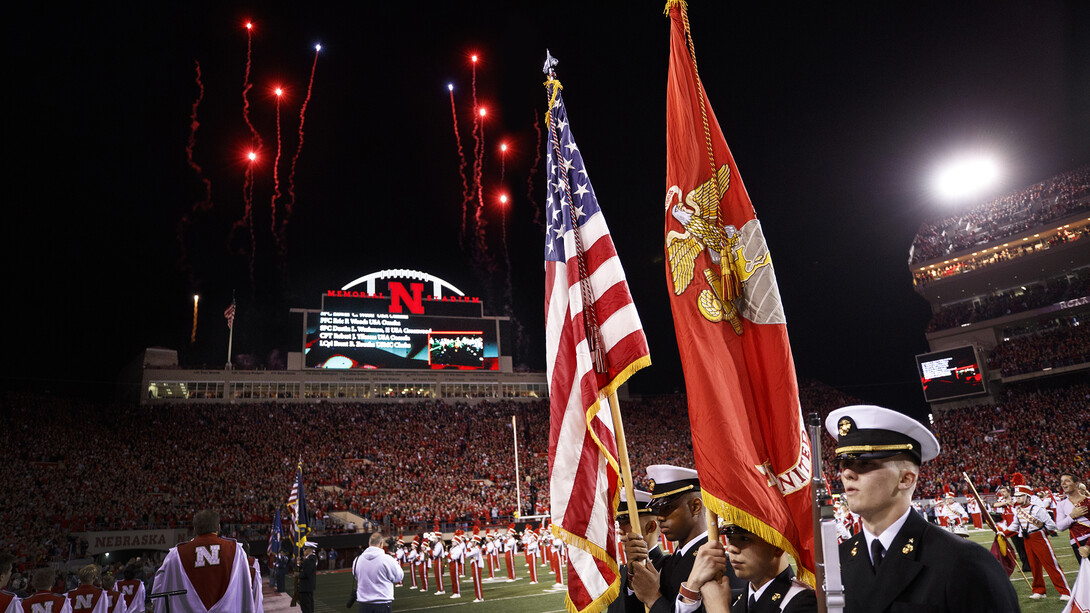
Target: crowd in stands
1038	431
1005	253
1066	344
1002	217
1012	301
81	466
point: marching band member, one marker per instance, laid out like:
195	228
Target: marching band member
1031	522
475	556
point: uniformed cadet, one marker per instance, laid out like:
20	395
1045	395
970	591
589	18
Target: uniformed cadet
899	562
675	499
771	586
308	577
649	526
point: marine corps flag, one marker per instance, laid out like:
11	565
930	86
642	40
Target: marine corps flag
749	441
594	341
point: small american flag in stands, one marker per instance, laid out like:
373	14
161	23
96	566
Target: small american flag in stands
230	315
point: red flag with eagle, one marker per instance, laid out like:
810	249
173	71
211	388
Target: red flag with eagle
594	342
749	440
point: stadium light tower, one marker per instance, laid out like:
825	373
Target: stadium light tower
966	177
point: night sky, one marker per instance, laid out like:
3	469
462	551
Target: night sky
835	114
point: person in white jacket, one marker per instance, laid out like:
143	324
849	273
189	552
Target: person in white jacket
376	573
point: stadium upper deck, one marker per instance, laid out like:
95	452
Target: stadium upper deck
1009	277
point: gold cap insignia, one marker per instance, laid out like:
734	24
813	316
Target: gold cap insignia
652	485
844	426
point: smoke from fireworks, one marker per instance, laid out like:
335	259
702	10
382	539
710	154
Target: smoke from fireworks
248	216
205	202
298	149
506	252
533	171
461	165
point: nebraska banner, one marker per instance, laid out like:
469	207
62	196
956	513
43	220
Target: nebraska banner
163	540
749	441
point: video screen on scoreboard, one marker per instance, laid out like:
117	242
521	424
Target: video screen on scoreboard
951	373
364	334
456	349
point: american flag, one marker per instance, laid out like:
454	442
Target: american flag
297	504
587	303
230	315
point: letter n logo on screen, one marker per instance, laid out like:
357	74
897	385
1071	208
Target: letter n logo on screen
399	295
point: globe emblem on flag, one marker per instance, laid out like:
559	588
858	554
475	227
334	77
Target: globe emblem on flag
844	426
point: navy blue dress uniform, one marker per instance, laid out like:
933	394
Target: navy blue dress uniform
625	600
668	483
784	588
308	577
925	568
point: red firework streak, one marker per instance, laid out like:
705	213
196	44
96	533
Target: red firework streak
477	144
503	160
479	218
461	162
256	138
276	177
299	148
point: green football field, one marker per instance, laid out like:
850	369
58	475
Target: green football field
521	597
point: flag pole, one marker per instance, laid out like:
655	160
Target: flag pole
626	466
710	518
991	523
231	334
518	490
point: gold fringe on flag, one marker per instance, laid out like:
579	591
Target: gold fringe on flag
735	516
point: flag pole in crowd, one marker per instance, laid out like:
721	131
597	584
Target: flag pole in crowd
594	342
518	491
297	504
274	537
730	326
1001	549
229	315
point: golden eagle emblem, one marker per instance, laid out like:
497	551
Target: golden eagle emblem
844	426
698	213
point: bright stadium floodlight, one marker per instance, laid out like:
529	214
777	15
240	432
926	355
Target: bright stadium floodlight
966	177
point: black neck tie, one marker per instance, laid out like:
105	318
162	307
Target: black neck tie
752	603
876	553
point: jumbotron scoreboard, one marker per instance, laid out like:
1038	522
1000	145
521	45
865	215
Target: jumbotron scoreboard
403	328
